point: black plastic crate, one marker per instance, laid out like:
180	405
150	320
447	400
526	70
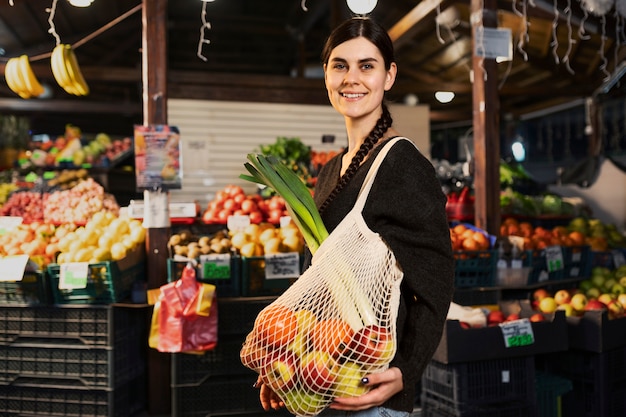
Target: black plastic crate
587	399
477	296
538	261
481	382
475	268
70	325
237	316
437	407
227	286
600	369
578	261
254	282
549	389
33	289
127	400
224	360
218	396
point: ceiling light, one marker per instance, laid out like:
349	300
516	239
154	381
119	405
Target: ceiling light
362	6
444	96
81	3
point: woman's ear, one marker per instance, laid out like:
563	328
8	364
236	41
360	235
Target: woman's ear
391	76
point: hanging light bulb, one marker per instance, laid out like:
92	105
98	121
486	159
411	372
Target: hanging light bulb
81	3
444	96
362	6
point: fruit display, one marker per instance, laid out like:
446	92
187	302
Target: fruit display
5	190
25	204
187	245
104	237
467	238
233	201
67	72
21	79
38	240
605	290
265	238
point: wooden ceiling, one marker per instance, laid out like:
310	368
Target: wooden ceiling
269	51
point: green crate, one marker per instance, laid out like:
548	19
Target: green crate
227	286
475	268
32	289
254	282
107	283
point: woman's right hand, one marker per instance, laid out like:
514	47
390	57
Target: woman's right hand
269	399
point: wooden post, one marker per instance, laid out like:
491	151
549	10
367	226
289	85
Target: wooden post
154	79
486	114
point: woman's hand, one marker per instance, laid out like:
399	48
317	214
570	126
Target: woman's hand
269	399
384	385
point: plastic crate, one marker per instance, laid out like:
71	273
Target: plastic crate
549	389
107	282
536	259
225	287
70	325
578	261
436	407
34	288
476	297
237	316
475	268
124	401
481	382
254	282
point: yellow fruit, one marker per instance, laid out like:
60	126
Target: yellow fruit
273	245
250	249
118	251
239	239
266	235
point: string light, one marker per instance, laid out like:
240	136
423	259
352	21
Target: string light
444	96
362	6
81	3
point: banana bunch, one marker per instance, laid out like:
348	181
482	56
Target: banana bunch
66	70
21	79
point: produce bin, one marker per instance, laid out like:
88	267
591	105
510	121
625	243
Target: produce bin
34	288
227	285
254	280
107	282
459	344
578	261
475	268
537	260
595	332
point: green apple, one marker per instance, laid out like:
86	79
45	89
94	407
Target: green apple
617	289
622	281
302	403
598	280
593	292
608	284
348	382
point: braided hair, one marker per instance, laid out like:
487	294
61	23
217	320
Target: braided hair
368	144
351	29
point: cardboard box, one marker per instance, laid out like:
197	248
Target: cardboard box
459	344
595	332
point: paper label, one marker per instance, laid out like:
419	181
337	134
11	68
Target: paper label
8	223
618	258
554	258
73	275
215	266
13	267
237	223
282	265
517	333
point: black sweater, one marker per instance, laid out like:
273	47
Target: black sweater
406	206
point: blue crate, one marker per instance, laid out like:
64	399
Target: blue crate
475	268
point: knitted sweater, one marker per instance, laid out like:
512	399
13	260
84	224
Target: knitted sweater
406	206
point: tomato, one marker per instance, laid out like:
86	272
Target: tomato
248	206
256	217
231	204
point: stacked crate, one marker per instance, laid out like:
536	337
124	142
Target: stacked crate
72	361
215	383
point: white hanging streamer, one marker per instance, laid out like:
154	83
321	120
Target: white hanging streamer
523	37
602	56
555	41
570	41
620	7
53	30
205	25
438	26
11	3
303	5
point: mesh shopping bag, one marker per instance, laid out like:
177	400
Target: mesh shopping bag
336	323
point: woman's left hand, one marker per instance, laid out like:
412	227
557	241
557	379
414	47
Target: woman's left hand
384	386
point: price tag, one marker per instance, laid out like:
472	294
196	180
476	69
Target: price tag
284	221
618	258
8	223
554	258
517	333
282	265
237	223
73	275
13	267
516	263
215	266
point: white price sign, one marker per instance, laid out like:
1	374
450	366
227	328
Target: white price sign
73	275
282	265
215	266
554	258
517	333
13	267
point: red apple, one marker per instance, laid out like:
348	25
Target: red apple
316	371
616	310
606	298
495	317
562	297
537	317
373	345
465	325
512	316
540	293
280	372
594	304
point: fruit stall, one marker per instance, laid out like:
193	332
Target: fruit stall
536	329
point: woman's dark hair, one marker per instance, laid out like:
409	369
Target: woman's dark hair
351	29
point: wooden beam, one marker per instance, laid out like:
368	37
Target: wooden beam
412	18
486	111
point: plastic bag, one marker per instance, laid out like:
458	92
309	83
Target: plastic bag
185	317
336	323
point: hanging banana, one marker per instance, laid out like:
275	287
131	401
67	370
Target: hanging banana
74	72
66	71
33	87
11	77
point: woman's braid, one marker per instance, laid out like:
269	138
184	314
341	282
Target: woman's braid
382	125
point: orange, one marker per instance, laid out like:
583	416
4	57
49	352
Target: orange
331	336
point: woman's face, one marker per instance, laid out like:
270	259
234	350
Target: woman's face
356	78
